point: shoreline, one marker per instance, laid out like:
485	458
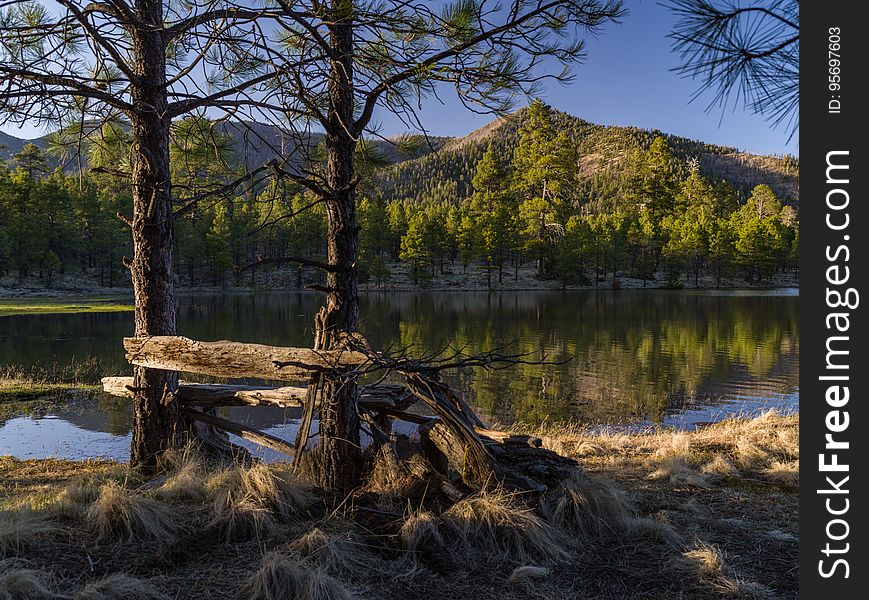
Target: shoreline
97	295
453	279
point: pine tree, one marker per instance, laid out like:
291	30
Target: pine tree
493	214
542	170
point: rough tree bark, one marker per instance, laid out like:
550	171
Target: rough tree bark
339	420
156	421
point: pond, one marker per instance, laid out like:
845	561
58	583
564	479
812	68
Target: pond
625	358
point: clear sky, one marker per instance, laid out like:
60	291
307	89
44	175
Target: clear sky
626	80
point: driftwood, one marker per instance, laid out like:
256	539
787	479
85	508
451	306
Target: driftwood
457	443
218	394
518	463
477	464
373	397
209	428
455	440
242	431
235	359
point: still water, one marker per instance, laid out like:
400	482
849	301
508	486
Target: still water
623	358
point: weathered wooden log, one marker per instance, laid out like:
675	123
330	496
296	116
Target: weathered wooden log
386	396
520	466
242	431
218	394
235	359
486	435
509	439
405	416
462	446
374	397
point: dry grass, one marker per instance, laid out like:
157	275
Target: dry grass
525	573
497	525
589	507
120	514
36	484
708	562
186	479
18	583
119	586
79	494
785	473
420	528
343	552
279	577
250	501
612	532
21	529
765	448
392	481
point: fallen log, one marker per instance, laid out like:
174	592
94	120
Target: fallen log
235	359
373	397
242	431
486	435
476	465
516	465
218	394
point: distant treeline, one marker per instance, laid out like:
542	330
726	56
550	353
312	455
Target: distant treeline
533	203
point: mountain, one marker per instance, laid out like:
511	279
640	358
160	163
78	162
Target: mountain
604	158
10	145
256	143
441	168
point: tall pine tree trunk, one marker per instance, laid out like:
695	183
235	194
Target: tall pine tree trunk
156	411
339	420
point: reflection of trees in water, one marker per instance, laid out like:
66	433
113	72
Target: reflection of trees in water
93	411
636	354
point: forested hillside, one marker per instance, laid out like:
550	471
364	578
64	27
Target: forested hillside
583	204
606	157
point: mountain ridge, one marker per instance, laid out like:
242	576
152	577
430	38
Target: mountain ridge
603	151
447	163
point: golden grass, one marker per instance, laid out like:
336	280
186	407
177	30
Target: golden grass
588	507
392	481
186	476
120	514
20	529
120	586
498	525
707	562
783	472
250	501
585	505
18	583
584	538
763	448
279	577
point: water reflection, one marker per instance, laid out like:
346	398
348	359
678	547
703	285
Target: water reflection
628	356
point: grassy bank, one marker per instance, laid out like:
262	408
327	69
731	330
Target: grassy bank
43	306
19	384
709	514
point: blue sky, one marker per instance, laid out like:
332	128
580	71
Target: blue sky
626	80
